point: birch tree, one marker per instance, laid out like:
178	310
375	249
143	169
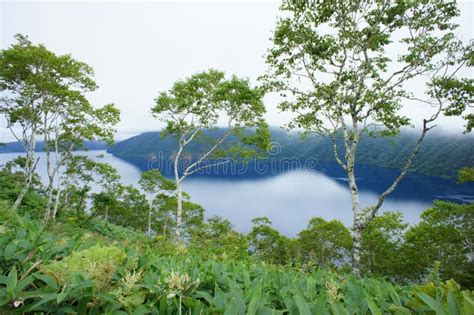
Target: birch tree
153	184
68	126
344	69
43	95
23	69
200	103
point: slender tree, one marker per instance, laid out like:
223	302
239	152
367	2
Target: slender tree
334	64
153	184
198	104
43	95
24	72
164	221
74	184
66	132
109	180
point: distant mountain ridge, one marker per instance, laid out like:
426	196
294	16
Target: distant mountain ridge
440	155
15	147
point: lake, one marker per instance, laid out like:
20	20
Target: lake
290	199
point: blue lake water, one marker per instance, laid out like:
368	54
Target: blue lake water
290	199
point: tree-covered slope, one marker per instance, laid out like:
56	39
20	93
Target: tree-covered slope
15	147
441	155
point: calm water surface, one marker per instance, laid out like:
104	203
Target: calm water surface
292	198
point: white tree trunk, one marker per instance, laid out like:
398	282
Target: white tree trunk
179	193
26	186
357	228
106	213
179	211
149	217
29	169
56	203
47	212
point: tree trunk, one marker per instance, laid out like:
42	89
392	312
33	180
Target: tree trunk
21	195
179	193
357	228
357	251
179	212
149	219
351	149
29	170
56	204
24	190
47	212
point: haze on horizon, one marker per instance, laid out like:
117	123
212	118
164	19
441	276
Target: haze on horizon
138	49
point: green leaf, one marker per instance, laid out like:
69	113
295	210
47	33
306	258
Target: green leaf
453	308
45	299
50	282
339	309
374	309
232	308
219	297
320	305
9	251
468	303
24	283
142	309
255	304
399	309
206	296
303	307
61	297
12	279
394	296
4	300
432	303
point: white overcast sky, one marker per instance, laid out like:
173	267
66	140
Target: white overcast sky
138	49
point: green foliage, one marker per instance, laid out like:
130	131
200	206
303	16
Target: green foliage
108	230
11	183
217	239
164	221
445	234
106	279
39	85
129	209
267	244
152	182
97	263
330	62
198	103
466	174
382	240
324	243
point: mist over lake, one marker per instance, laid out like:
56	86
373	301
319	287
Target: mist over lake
291	198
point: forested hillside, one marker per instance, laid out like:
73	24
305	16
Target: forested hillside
441	155
15	147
